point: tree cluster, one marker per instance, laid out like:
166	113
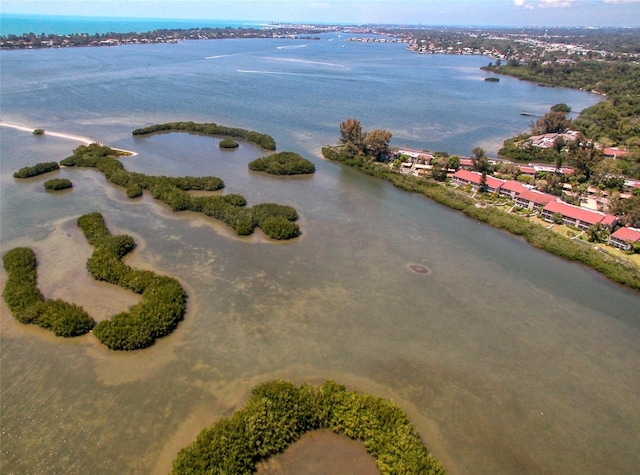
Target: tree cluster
228	144
56	184
28	305
356	142
283	163
173	191
263	140
279	412
37	169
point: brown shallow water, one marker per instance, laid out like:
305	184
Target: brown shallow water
506	359
321	452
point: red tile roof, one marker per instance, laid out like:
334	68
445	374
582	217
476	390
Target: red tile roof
475	178
627	234
527	170
537	197
515	186
575	212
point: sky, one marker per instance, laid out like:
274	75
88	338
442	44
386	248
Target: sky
595	13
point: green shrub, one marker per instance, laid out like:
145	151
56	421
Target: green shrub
278	413
37	169
57	184
38	132
278	227
283	163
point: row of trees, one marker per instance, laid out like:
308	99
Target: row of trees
279	412
283	163
263	140
174	191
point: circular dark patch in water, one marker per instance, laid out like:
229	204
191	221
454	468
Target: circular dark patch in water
419	269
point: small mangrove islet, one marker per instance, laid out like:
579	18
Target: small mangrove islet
230	209
283	163
263	140
37	169
56	184
161	308
279	412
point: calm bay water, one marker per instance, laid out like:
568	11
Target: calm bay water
507	359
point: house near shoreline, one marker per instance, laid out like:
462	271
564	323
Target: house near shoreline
549	206
534	200
624	238
466	177
577	217
549	140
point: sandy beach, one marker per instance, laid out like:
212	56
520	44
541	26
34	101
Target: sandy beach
77	138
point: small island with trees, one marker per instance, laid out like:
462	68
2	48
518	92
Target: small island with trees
56	184
228	144
162	306
283	163
279	412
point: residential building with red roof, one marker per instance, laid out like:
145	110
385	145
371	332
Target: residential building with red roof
466	177
624	238
580	218
534	200
527	170
512	188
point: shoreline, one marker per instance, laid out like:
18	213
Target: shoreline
62	135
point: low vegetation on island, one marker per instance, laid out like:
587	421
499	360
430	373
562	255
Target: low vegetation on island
276	221
354	155
28	305
161	308
283	163
263	140
57	184
37	169
279	412
228	144
163	303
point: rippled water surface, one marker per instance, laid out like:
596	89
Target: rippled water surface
507	359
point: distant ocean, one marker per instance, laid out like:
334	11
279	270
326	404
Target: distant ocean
17	24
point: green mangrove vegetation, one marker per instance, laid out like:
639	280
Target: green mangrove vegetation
161	308
615	269
279	412
163	302
263	140
28	305
56	184
228	144
230	209
283	163
37	169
